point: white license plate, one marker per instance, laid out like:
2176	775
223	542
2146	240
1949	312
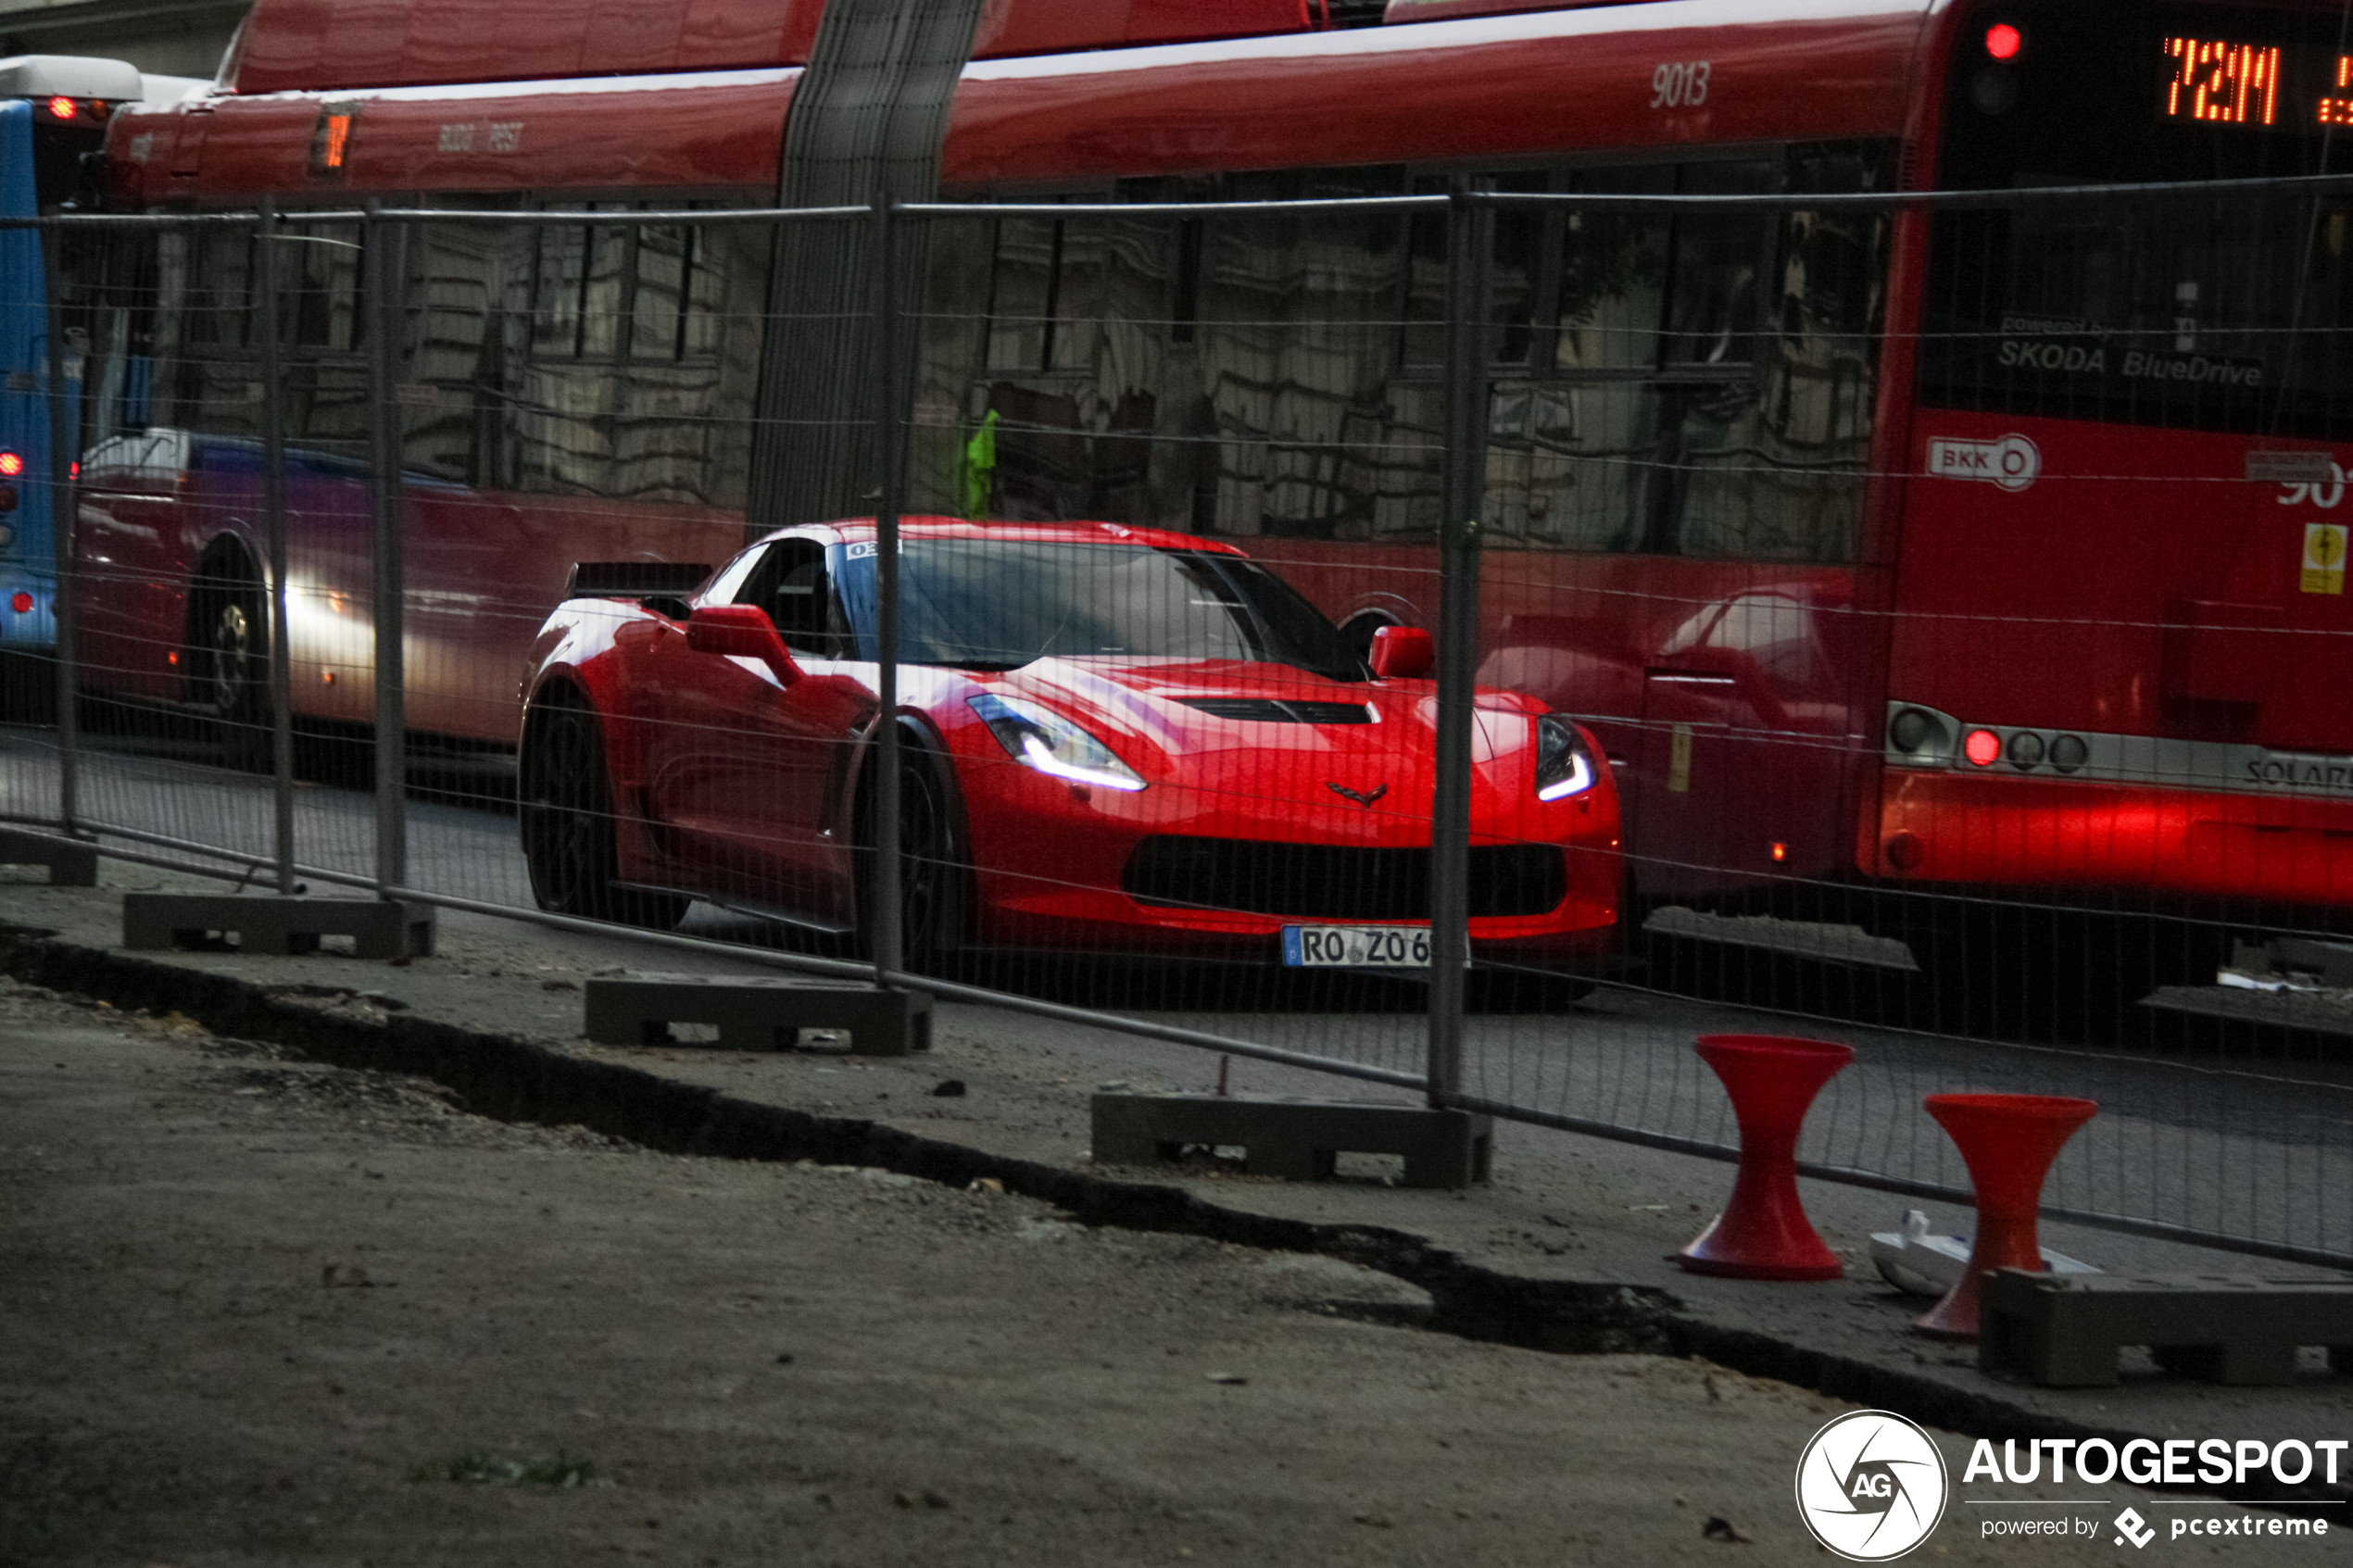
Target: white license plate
1356	946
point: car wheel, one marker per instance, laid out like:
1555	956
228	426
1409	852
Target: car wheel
931	870
565	809
235	640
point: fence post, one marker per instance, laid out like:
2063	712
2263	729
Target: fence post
890	444
1468	225
64	436
383	262
273	504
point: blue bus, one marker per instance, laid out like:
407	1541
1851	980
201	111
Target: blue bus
54	110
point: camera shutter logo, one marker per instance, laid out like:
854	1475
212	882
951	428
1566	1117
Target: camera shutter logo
1871	1486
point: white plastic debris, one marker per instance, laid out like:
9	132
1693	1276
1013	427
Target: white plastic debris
1922	1265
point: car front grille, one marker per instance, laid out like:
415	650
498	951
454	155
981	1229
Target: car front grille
1330	882
1270	710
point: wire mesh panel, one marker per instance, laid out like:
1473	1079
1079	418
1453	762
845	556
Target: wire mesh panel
1950	668
1189	441
2032	766
575	411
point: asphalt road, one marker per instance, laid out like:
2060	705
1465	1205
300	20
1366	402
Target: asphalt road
2254	1150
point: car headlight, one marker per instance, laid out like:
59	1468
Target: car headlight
1564	765
1052	745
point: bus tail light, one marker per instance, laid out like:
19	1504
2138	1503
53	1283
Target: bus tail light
11	464
1983	747
61	109
2004	41
21	602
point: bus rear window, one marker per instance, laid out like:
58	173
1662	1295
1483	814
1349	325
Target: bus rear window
2230	312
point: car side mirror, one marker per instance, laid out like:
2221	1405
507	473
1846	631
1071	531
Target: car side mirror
741	631
1403	653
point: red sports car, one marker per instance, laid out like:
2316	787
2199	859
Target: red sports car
1113	738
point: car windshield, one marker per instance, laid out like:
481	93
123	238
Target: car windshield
985	604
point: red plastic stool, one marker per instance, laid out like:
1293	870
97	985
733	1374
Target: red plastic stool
2008	1142
1763	1232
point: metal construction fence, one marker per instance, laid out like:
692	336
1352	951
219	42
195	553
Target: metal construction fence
1741	611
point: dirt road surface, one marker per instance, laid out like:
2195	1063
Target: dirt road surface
256	1311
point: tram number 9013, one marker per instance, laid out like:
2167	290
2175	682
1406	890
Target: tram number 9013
1681	84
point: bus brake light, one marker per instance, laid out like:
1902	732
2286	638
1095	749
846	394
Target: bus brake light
2003	41
10	464
61	107
21	602
1983	747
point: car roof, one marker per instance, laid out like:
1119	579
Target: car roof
858	529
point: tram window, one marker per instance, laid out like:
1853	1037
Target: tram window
654	404
220	296
554	316
1297	340
1025	293
2185	310
123	275
1422	291
1613	276
1766	461
468	289
1720	260
1185	318
581	288
1075	319
321	270
1525	273
2215	313
658	305
1710	389
602	281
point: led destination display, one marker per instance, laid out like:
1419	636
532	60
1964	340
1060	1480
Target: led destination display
2230	81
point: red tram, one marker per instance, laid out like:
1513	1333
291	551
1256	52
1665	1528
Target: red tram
1988	546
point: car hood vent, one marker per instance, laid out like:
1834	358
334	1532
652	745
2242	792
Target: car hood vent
1270	710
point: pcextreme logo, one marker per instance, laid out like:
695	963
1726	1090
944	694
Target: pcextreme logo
1871	1486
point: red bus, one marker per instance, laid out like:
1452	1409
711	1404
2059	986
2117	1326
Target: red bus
1971	548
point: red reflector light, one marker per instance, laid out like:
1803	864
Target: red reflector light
10	464
2003	41
61	107
1781	851
1983	747
22	603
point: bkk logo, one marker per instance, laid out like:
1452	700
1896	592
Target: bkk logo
2013	462
1870	1485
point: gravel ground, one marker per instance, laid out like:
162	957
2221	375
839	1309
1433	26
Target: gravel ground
263	1312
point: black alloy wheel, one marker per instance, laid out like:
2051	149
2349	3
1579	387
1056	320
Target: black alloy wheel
234	690
565	811
931	873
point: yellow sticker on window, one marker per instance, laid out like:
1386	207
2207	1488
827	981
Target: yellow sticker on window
2324	557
